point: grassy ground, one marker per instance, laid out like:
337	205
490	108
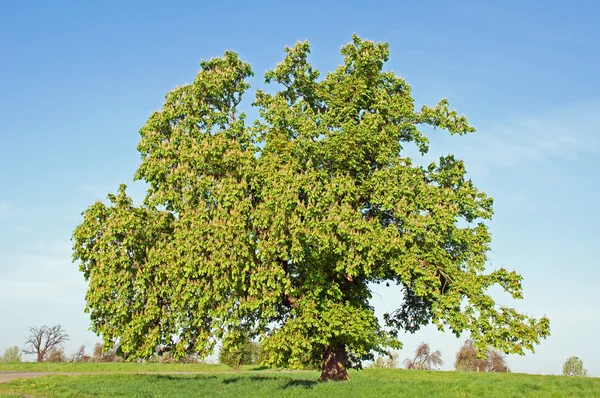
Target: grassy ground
260	383
113	367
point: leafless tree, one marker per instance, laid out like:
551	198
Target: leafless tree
467	359
100	355
424	359
80	355
44	339
56	355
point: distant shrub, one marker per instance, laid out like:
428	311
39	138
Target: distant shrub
101	355
56	355
80	355
573	366
385	362
11	354
468	360
167	357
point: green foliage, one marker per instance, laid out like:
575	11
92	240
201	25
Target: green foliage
11	354
369	383
276	228
238	350
470	359
573	366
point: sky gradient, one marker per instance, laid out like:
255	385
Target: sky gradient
78	80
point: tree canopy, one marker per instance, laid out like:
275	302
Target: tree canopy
573	366
278	227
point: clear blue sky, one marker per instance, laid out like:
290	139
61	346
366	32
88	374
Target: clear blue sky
78	79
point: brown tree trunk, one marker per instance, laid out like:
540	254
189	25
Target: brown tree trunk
334	364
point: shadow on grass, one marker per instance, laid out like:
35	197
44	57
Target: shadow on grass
257	368
301	383
291	383
180	377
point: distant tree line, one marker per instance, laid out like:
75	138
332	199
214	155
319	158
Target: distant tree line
47	344
468	358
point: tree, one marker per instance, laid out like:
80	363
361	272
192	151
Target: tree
279	227
56	354
11	354
424	359
469	359
237	353
80	355
103	354
44	339
573	366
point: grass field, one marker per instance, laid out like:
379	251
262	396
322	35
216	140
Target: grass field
114	367
220	382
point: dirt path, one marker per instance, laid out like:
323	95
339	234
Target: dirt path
8	376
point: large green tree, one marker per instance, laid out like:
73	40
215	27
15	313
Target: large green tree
279	228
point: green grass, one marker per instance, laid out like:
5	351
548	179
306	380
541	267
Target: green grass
113	367
368	383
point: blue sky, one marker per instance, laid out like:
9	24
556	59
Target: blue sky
78	80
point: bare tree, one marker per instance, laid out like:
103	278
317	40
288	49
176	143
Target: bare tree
100	355
44	339
56	355
468	359
424	359
80	355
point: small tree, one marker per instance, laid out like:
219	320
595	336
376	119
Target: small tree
80	355
102	355
424	359
573	366
42	340
56	354
11	354
238	350
468	359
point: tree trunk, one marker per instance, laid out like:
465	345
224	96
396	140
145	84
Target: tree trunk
334	364
40	357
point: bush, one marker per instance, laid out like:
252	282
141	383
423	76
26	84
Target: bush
573	366
100	355
11	354
167	357
56	355
468	360
80	355
383	362
238	350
